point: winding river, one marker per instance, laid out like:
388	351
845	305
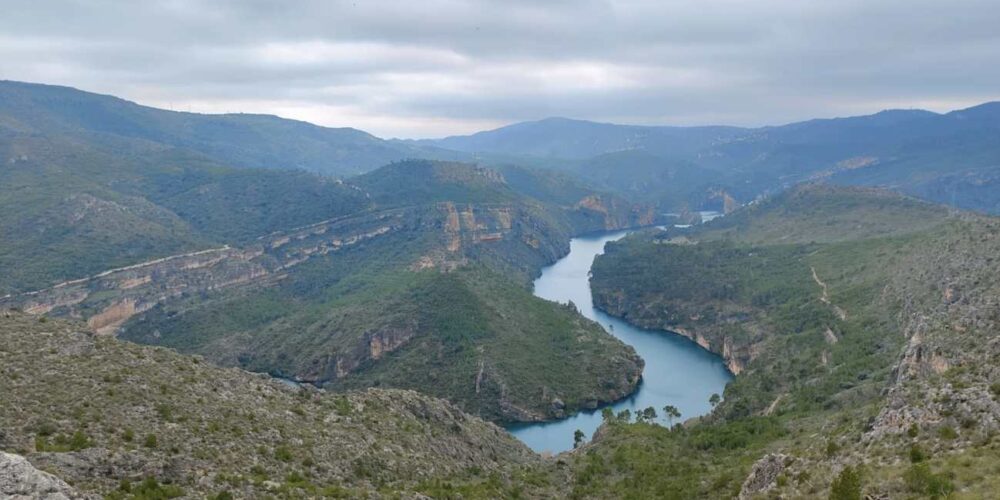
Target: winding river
678	372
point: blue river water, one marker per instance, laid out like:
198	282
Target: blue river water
678	372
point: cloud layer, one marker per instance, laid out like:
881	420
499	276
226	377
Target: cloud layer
435	67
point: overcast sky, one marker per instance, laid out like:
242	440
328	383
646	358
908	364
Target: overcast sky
424	68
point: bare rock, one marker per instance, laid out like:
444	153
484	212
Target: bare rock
764	475
19	480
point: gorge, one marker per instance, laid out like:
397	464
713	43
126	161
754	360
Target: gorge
677	371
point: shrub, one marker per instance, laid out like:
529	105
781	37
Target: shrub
919	479
947	432
165	412
847	485
283	453
150	441
342	406
832	448
917	454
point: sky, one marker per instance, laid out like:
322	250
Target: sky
430	68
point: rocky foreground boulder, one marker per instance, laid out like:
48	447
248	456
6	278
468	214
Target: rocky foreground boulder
19	480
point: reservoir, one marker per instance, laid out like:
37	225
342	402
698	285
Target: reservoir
678	372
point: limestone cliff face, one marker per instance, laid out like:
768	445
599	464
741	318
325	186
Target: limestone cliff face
729	204
507	232
108	299
736	353
614	213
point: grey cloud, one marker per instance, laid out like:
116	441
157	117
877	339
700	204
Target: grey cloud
404	68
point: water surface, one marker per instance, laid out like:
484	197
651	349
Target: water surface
678	372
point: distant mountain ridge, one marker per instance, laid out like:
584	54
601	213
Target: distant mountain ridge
949	158
578	139
242	140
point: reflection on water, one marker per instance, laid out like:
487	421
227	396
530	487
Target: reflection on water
678	372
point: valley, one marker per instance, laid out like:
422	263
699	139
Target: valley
163	272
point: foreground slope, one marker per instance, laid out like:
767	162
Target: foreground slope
863	326
100	413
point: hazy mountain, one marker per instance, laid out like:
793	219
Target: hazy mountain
579	139
239	140
951	158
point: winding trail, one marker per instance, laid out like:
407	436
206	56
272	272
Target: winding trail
825	296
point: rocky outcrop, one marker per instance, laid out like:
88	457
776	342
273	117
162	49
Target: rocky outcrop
948	302
615	213
764	475
503	231
736	355
19	480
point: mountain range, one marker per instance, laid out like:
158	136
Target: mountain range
951	158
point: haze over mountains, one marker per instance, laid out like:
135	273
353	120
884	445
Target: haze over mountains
951	157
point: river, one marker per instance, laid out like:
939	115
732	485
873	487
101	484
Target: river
678	372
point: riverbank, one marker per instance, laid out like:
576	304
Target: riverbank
677	371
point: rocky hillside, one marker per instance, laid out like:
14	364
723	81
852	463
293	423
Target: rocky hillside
863	326
116	419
